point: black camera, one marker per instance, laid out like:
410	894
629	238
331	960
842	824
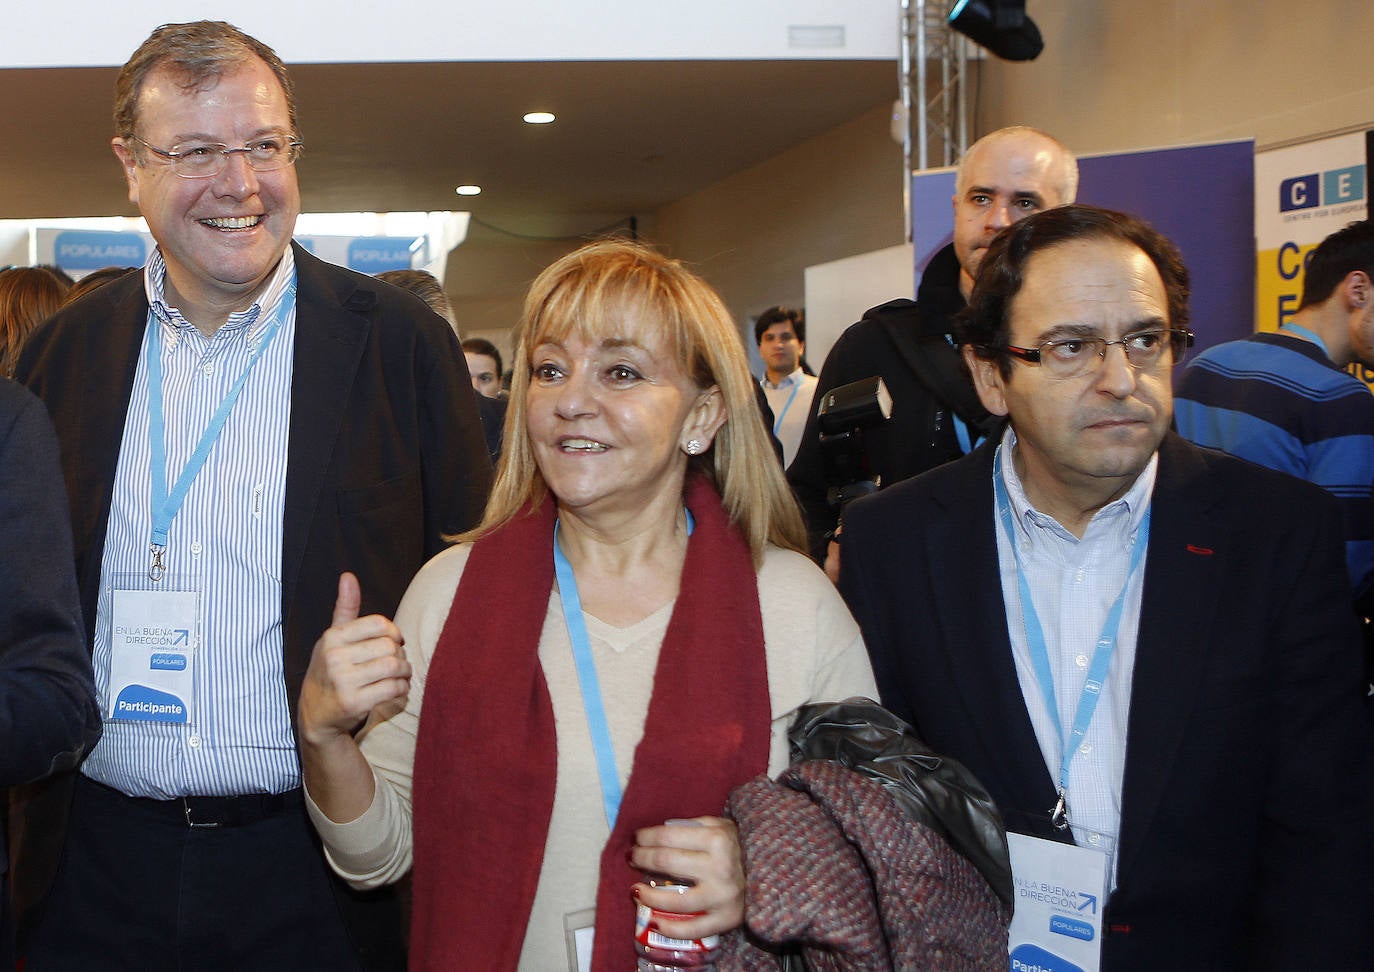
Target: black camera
842	415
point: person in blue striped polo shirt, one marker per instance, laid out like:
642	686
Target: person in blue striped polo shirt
1285	399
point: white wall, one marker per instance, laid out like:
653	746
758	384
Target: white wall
837	293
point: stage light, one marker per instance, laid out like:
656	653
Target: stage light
1001	26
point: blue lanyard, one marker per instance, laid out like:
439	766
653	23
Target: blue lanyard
166	505
1311	335
1039	651
586	677
777	424
961	432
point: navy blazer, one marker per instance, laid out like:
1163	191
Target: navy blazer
48	712
385	448
1245	832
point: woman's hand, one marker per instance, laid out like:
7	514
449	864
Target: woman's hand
706	853
357	664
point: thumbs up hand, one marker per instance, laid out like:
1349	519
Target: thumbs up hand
357	664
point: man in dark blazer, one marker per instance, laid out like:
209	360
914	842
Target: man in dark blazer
1227	749
192	840
48	711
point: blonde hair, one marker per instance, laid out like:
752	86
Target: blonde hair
624	287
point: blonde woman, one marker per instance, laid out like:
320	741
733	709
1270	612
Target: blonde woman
621	642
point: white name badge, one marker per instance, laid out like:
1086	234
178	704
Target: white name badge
153	641
1060	893
579	929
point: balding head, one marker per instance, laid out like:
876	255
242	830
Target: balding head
1004	177
1059	162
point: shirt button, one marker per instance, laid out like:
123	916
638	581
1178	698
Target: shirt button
207	369
195	547
194	742
1086	748
1078	575
1081	661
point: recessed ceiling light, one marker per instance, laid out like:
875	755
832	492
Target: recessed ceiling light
539	117
469	190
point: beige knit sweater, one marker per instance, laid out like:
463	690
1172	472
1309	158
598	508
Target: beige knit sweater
814	653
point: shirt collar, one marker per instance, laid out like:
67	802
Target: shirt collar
251	320
1133	504
792	379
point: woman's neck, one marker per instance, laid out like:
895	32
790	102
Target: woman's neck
626	569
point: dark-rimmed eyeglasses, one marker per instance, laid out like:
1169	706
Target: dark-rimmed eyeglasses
1074	356
203	160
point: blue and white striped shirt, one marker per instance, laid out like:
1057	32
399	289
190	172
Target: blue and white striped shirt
228	536
1074	583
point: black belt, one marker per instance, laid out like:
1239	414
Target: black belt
208	811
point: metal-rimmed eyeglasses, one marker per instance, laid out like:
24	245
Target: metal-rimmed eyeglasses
1071	357
203	160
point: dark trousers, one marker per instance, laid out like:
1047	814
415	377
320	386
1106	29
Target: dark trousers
140	889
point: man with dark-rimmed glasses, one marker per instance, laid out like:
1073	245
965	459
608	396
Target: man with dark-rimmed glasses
1144	650
239	424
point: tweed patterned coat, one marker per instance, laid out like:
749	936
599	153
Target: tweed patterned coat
835	866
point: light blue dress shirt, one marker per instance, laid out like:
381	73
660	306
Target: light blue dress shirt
1074	583
227	537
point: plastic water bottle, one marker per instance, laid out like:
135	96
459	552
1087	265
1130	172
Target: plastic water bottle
658	952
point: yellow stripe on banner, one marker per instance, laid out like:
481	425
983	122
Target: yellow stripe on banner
1278	289
1278	284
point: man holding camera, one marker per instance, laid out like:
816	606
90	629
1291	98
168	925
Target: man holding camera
936	416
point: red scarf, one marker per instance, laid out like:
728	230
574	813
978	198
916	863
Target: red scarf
486	756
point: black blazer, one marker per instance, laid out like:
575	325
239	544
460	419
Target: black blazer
385	452
48	711
385	448
1245	833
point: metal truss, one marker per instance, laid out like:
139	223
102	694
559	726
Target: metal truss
933	82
